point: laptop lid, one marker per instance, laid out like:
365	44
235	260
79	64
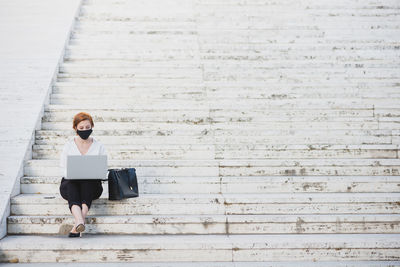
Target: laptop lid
87	167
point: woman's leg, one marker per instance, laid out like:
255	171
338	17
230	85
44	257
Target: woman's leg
89	191
70	190
77	212
85	210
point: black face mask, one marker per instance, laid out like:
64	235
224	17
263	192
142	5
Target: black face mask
84	134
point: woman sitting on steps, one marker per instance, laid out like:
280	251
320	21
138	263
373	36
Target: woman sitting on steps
80	193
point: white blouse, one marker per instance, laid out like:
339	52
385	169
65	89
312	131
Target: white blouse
70	148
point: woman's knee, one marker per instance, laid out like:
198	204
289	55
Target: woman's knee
63	191
63	194
99	192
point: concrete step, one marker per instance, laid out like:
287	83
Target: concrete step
227	137
184	133
137	96
211	117
206	29
203	153
221	129
155	24
215	71
64	112
219	122
131	72
194	64
228	151
229	204
224	137
236	167
231	6
94	108
215	35
226	37
221	93
66	88
239	184
217	264
158	96
177	152
126	101
131	141
139	57
225	248
366	124
168	65
233	162
209	224
246	104
138	127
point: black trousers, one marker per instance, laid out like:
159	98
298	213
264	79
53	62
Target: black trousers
80	191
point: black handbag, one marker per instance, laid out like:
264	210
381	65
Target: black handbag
122	183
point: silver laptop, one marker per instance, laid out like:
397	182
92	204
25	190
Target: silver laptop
87	167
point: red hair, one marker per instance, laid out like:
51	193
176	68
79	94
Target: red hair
81	116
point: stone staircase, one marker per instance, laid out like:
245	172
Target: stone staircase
264	133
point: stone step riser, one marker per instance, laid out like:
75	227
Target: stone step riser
187	40
233	170
196	95
204	95
194	142
63	110
218	72
154	23
215	72
205	209
220	132
218	129
233	7
191	55
164	152
235	163
67	90
200	255
141	171
231	187
228	7
181	229
206	225
226	85
371	124
220	47
258	104
209	141
156	153
216	137
215	118
272	148
325	90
